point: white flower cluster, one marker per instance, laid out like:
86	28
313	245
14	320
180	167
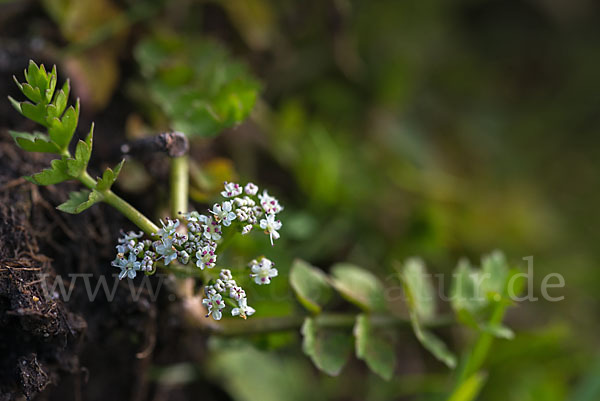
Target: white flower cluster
225	286
243	210
250	210
262	271
133	255
197	246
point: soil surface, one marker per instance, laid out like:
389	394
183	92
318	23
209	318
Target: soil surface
83	349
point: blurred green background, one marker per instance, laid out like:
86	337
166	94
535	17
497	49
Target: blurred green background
388	129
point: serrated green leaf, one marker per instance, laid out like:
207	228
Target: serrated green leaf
470	388
433	344
83	152
43	75
17	82
310	285
51	113
109	177
495	271
66	89
38	78
33	112
34	77
15	104
57	107
421	303
467	318
80	201
55	174
418	288
49	93
498	331
31	93
468	301
464	292
36	142
376	350
61	131
329	349
358	286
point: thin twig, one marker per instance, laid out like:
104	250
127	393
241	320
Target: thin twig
13	183
174	144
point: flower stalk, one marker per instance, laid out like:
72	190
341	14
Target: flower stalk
179	185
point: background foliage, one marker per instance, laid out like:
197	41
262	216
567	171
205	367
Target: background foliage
390	129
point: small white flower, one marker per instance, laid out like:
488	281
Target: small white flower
270	225
263	271
206	257
129	243
148	261
246	229
231	189
192	216
168	229
210	291
223	213
136	249
128	267
184	257
250	189
257	211
131	235
194	227
219	285
212	230
242	213
214	303
179	239
225	275
237	292
269	203
245	201
243	310
166	249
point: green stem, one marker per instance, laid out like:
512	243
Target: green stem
131	213
236	327
136	217
476	357
179	185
